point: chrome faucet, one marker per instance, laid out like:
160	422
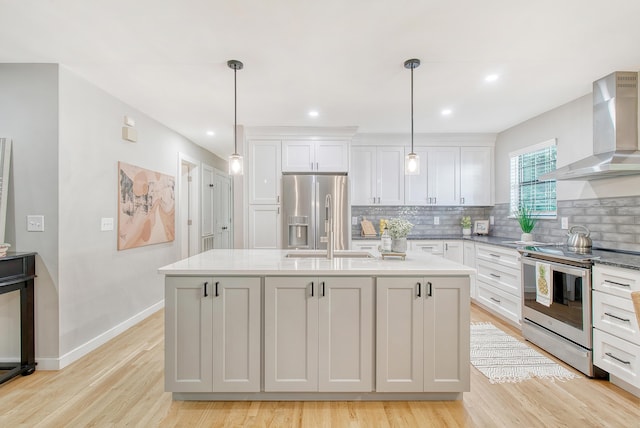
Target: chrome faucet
328	225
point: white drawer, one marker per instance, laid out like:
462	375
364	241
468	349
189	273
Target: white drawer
500	255
614	280
431	247
615	315
365	245
616	356
499	302
504	278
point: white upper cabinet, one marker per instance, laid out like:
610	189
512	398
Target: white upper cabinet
265	172
377	175
315	156
451	176
476	175
443	175
439	180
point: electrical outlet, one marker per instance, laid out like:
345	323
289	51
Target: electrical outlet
491	220
354	221
436	220
565	222
35	223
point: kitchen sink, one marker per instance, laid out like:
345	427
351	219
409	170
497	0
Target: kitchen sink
321	254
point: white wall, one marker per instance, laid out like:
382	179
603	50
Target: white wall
572	125
29	116
86	290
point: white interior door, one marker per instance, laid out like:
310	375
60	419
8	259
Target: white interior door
188	202
222	211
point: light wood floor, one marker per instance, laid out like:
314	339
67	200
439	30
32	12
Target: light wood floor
121	384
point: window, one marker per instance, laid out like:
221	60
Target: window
526	190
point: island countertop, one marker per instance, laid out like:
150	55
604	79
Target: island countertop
273	262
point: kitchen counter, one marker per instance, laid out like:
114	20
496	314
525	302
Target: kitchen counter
622	260
273	262
485	239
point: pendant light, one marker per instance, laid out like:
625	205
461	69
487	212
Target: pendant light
235	160
412	160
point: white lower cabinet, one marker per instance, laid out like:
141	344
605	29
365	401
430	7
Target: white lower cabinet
212	334
469	259
365	245
616	331
318	334
498	281
451	250
422	334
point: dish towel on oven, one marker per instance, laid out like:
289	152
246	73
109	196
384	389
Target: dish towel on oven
544	287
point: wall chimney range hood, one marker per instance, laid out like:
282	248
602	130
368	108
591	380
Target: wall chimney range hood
615	132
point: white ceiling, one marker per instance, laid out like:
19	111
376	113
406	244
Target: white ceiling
344	58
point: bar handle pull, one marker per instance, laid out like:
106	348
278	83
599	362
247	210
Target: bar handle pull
494	275
205	289
322	288
430	288
494	255
419	286
217	288
609	354
495	300
311	288
621	284
617	317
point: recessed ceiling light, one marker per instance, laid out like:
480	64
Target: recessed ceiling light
446	112
491	78
313	113
211	133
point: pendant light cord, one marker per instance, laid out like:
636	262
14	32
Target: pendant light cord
412	109
235	111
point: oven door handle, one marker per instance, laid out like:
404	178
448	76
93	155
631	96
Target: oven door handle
557	267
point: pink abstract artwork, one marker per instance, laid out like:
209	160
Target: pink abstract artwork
146	207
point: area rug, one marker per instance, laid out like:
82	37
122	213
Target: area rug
503	358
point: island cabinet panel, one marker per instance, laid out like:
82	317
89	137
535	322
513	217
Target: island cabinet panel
212	334
422	334
318	334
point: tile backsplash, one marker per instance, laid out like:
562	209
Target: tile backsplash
613	222
422	217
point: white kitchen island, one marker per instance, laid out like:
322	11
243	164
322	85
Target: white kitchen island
257	325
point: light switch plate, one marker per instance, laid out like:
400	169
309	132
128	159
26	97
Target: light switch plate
106	224
35	223
436	220
565	222
354	221
491	220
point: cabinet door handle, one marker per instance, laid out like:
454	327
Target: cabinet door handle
494	275
419	289
217	295
322	288
430	292
495	300
446	246
317	167
311	166
609	354
494	255
278	198
205	289
311	288
378	199
621	284
617	317
435	201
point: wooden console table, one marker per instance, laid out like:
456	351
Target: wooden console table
17	273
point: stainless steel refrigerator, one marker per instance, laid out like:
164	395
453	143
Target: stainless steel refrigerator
303	209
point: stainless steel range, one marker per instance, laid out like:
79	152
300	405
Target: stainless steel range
556	303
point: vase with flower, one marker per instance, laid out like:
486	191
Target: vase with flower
398	229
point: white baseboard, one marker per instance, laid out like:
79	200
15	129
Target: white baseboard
82	350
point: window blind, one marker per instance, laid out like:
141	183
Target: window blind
526	189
